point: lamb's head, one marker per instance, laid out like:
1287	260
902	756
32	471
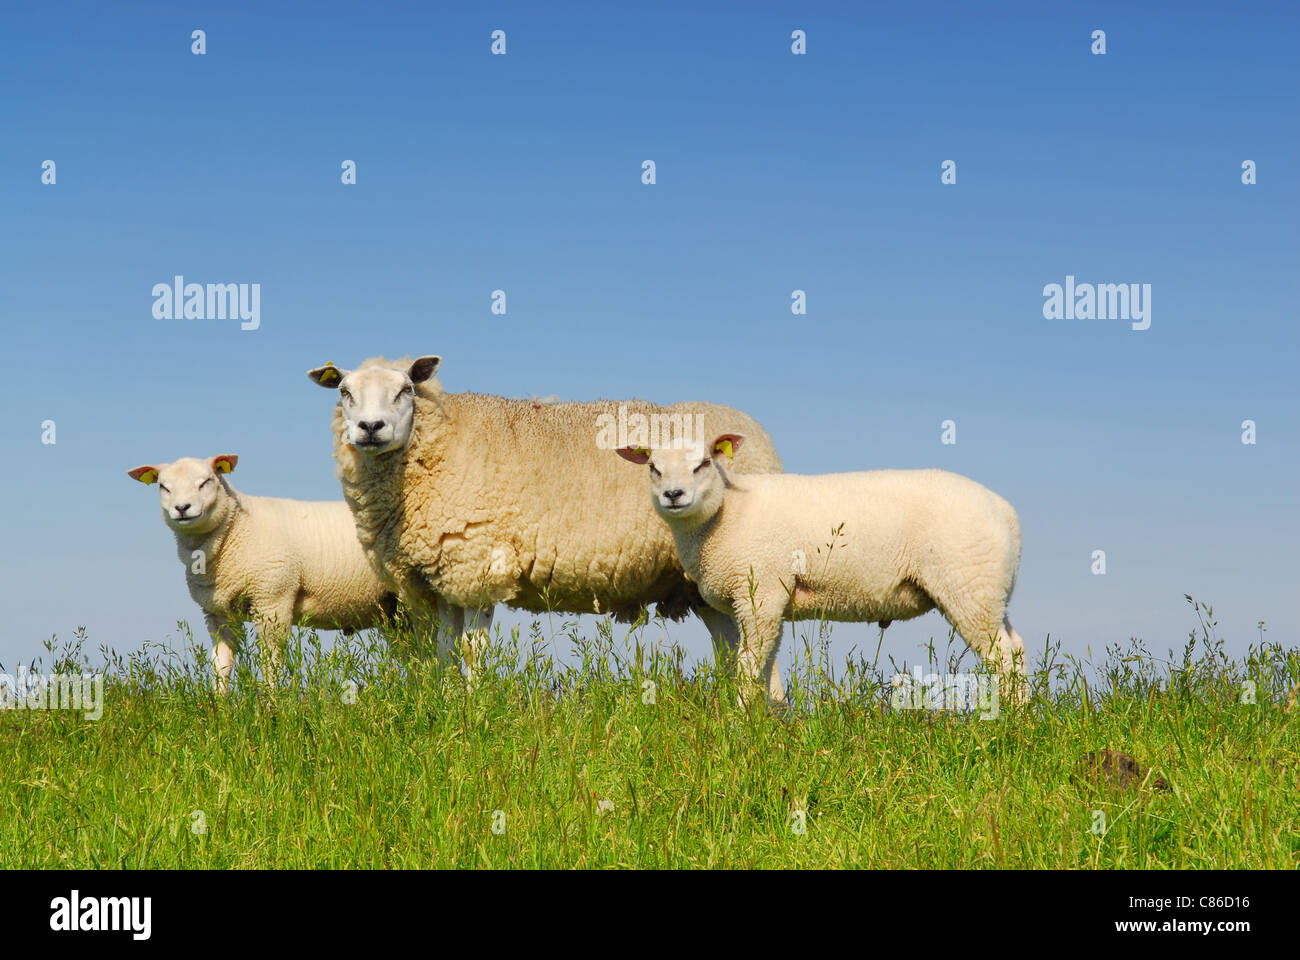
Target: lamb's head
686	482
377	400
193	492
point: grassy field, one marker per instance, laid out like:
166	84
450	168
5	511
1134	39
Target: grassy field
630	758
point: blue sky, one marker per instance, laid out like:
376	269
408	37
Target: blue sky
775	172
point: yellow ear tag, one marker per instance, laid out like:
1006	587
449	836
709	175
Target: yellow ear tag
642	452
724	446
149	476
223	466
329	375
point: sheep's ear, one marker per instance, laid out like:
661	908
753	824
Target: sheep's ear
634	454
423	369
728	443
328	376
224	463
143	474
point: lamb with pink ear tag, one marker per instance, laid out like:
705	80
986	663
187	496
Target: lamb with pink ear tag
876	546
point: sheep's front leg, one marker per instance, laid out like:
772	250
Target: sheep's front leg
474	637
272	631
760	639
726	645
449	624
461	633
417	626
225	638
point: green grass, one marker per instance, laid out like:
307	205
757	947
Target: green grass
413	769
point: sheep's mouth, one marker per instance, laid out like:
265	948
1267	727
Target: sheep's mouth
369	444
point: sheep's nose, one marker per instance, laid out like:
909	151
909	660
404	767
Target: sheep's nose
371	426
181	508
674	495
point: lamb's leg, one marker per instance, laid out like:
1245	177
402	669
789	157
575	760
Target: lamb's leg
225	638
982	623
1014	661
775	688
760	640
726	643
272	632
725	635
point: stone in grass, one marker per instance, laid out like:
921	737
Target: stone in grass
1114	769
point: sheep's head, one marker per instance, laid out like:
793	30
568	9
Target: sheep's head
194	497
685	481
378	401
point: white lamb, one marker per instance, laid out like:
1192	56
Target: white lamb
876	546
472	500
274	562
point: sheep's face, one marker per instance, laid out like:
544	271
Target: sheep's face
686	483
378	403
193	496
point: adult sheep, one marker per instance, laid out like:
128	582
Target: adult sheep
875	546
464	500
272	561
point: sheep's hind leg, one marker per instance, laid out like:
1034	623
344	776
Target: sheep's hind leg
986	630
726	645
1004	647
1014	662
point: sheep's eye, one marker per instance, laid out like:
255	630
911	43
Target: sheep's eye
398	399
345	395
205	483
163	488
654	472
702	465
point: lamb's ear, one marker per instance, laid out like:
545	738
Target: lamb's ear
634	454
728	443
144	474
224	463
328	376
424	368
